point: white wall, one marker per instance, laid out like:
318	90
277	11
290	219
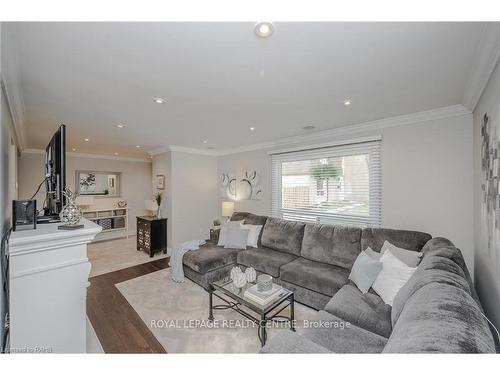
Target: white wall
136	180
487	263
426	178
190	194
194	196
161	165
8	149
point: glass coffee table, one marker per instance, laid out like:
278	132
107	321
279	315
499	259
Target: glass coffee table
235	299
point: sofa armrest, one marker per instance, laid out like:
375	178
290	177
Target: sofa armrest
288	342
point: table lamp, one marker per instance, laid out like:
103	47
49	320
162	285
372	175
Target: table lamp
227	209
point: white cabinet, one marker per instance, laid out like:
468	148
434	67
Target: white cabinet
114	222
49	272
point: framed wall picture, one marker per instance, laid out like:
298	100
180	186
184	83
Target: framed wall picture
160	182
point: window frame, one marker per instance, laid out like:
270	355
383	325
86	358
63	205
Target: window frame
370	146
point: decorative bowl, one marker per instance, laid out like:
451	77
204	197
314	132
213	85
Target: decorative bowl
121	204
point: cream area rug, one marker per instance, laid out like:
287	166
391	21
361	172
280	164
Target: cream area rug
114	255
177	314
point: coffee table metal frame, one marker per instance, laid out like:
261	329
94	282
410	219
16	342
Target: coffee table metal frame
237	302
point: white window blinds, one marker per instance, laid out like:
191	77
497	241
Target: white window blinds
331	185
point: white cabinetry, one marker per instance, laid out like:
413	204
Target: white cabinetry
49	272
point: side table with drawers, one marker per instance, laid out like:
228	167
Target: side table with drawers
151	234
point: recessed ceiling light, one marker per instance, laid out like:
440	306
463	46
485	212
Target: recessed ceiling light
264	29
86	139
205	141
73	149
120	126
116	154
347	102
159	100
252	128
138	146
309	127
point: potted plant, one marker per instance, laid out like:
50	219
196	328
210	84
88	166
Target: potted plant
216	223
157	198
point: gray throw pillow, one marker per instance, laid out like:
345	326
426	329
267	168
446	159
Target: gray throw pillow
409	257
372	253
236	238
364	271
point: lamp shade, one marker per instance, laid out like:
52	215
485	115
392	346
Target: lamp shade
84	200
151	205
227	209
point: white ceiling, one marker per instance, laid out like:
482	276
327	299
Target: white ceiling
219	79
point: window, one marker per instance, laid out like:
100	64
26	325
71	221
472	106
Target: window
330	185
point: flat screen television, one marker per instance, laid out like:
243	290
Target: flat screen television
55	173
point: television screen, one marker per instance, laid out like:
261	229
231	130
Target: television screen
55	171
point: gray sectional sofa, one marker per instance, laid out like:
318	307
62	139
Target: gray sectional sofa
436	311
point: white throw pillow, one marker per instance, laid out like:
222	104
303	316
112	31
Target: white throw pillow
393	276
253	235
223	231
409	257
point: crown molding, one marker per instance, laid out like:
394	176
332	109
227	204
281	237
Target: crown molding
486	59
159	150
404	120
15	102
90	156
188	150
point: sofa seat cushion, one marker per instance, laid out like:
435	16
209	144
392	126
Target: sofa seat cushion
209	257
367	311
319	277
350	339
405	239
265	260
283	235
441	318
337	245
288	342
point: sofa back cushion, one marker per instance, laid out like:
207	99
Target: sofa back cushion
441	318
444	248
406	239
336	245
249	218
432	269
283	235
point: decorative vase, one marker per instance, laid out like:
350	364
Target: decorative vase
234	272
240	280
71	214
250	274
158	213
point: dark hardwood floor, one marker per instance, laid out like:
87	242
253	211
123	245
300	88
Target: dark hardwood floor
117	325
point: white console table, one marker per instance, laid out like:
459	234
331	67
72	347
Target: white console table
49	272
